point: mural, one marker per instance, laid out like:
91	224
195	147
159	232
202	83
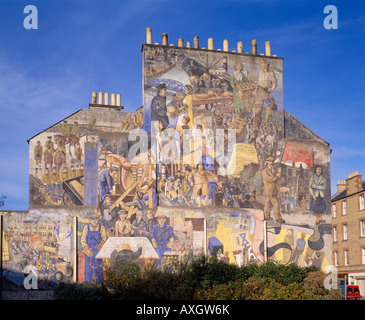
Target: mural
209	158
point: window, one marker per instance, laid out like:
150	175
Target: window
344	229
334	211
363	255
361	200
346	257
362	228
344	208
335	258
334	234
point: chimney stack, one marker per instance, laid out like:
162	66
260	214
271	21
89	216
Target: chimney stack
341	185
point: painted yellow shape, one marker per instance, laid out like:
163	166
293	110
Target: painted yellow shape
242	154
224	235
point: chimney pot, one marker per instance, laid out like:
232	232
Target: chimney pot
164	39
112	98
100	98
268	48
119	100
94	98
210	44
240	47
196	42
181	43
106	99
254	47
149	36
225	45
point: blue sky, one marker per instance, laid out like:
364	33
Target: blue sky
82	46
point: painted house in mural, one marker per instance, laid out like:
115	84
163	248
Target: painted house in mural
208	163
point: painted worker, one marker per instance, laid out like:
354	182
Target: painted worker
237	77
271	176
199	177
317	186
92	239
38	154
158	106
55	182
106	182
124	254
266	85
162	237
139	226
48	153
46	178
123	226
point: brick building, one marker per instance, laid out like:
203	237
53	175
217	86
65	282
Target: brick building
348	229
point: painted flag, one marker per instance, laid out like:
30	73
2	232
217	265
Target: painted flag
296	152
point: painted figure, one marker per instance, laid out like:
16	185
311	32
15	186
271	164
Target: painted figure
162	237
139	226
199	176
239	98
317	186
266	85
38	154
158	106
124	254
270	176
106	182
92	239
48	153
123	226
63	232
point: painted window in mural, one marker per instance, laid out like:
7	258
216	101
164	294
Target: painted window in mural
41	239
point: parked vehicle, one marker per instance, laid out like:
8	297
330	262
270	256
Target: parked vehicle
352	292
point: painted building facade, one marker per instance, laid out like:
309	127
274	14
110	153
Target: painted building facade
211	164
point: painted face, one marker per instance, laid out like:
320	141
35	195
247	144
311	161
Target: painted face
163	92
318	170
161	221
93	221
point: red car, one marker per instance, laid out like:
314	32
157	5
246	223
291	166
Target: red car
353	293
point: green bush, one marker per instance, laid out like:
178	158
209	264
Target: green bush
314	284
122	279
80	291
205	278
207	271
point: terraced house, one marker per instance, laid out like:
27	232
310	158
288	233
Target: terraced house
348	224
